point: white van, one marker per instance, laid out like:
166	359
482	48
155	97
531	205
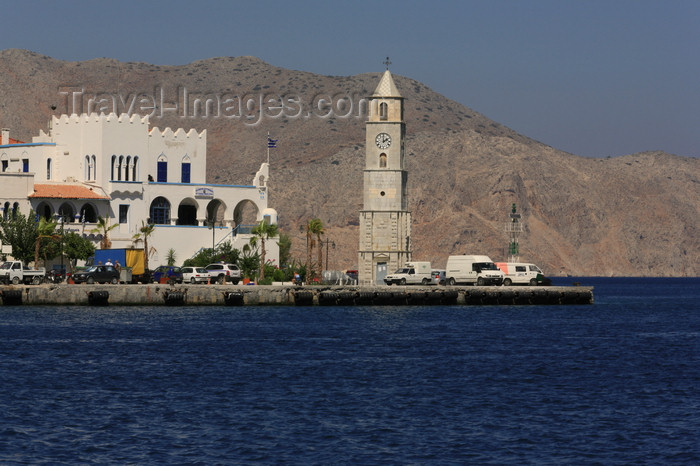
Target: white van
518	273
414	273
474	270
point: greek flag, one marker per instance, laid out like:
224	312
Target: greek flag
271	143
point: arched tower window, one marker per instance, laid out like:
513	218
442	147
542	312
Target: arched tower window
87	168
382	160
162	169
383	111
120	167
127	168
185	178
134	169
114	163
6	211
48	169
93	163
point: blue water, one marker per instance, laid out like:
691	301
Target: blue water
617	382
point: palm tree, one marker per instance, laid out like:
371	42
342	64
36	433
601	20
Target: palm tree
171	257
104	228
145	231
263	231
315	227
45	229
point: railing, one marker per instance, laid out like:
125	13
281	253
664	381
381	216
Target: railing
237	230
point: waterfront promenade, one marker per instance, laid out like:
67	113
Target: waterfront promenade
268	295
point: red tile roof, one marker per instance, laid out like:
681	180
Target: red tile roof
65	191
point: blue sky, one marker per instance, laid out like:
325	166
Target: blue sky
591	77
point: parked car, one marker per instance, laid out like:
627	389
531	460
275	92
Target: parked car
438	277
223	273
97	274
195	275
170	273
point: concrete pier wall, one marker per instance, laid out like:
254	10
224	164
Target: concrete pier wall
230	295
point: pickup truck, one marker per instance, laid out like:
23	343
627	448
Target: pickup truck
15	272
414	273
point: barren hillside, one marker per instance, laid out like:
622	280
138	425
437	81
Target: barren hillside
632	215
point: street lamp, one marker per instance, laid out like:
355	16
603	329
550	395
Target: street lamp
308	253
59	217
212	225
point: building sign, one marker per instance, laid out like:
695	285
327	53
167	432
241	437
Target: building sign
206	193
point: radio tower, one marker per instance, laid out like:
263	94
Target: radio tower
514	228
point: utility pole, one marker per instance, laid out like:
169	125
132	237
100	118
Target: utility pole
327	242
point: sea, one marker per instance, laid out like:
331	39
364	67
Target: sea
615	382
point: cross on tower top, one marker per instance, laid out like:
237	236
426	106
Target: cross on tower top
387	62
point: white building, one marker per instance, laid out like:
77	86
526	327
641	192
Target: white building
119	168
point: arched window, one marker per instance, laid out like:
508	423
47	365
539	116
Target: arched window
382	160
135	169
120	166
114	163
160	211
65	211
88	214
93	164
383	111
162	169
15	209
127	170
187	213
44	210
185	172
6	211
48	168
87	168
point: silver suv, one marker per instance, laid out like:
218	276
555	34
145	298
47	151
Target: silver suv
222	273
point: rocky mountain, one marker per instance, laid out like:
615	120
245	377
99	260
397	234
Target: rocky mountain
633	215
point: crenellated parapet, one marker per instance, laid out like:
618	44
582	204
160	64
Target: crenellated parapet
178	134
98	118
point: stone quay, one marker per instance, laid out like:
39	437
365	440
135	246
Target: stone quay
288	295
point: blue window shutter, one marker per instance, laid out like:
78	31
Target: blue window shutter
162	172
185	172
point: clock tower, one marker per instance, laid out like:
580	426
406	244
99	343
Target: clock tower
385	222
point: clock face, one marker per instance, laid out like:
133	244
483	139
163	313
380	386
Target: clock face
383	140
